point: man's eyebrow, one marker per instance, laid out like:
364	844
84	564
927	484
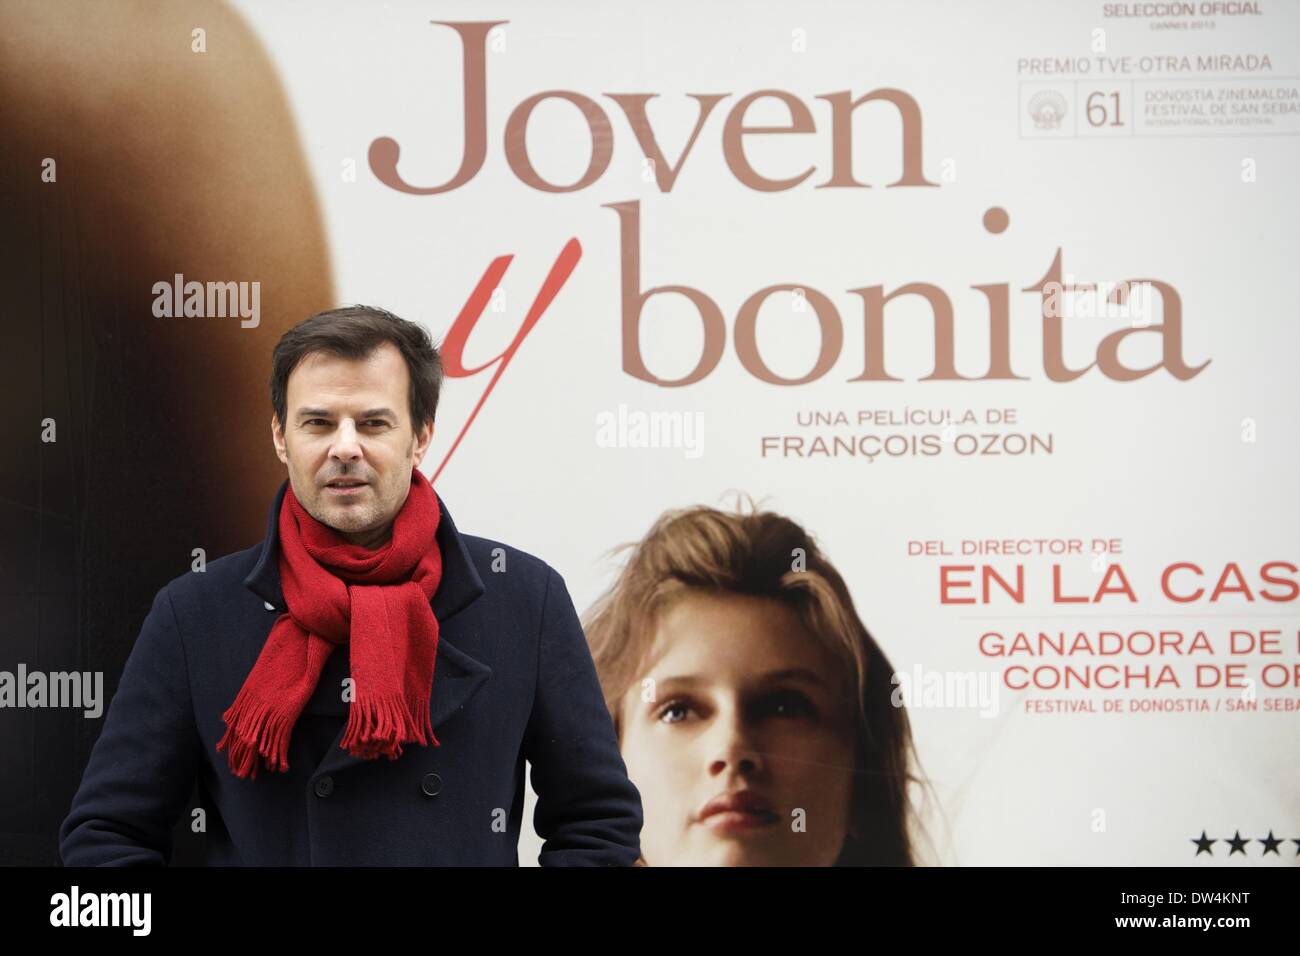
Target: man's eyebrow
325	412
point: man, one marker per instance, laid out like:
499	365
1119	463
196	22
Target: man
364	686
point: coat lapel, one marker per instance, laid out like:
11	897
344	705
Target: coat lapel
457	676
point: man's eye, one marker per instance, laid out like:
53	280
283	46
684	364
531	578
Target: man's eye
382	423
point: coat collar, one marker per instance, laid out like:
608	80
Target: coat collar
460	585
457	676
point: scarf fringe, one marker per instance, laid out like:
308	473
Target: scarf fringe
378	726
256	728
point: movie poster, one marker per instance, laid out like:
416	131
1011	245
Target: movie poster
937	358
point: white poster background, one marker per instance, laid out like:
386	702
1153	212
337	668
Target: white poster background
1159	463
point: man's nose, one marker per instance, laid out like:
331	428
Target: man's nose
345	446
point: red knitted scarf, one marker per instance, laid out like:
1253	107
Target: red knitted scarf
338	592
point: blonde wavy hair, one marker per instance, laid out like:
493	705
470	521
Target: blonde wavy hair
761	553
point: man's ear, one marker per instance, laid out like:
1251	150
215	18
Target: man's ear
277	439
423	438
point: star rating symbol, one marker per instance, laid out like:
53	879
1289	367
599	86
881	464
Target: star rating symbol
1270	843
1238	843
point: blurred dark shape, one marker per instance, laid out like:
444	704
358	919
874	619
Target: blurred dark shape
167	161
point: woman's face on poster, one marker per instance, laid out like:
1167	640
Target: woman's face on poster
741	741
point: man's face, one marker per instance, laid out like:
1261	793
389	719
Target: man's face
348	441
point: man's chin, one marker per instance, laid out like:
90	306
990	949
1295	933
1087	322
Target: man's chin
352	523
346	518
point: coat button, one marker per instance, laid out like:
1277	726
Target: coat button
431	784
324	786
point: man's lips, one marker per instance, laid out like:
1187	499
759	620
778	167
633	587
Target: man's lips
345	486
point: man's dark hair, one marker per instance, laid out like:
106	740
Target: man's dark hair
354	332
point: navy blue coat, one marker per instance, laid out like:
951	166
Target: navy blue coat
513	680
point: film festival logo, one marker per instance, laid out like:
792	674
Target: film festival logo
1047	109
